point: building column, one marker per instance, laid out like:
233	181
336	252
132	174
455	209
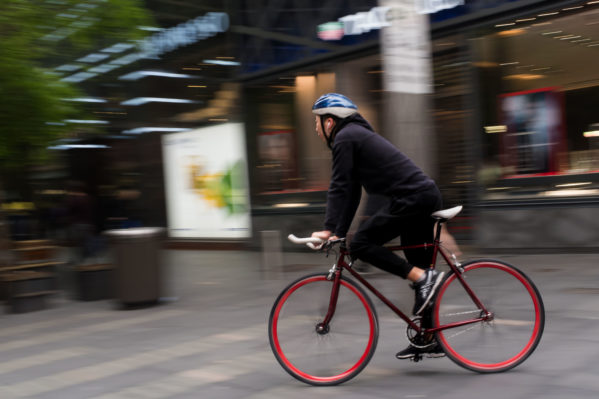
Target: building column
407	81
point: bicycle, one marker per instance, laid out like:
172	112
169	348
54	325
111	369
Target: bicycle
488	316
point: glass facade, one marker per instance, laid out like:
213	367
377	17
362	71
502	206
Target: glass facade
537	88
512	106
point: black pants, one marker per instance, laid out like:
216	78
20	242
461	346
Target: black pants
408	218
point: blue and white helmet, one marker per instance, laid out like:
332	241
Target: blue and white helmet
334	104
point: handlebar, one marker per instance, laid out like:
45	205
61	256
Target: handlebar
313	242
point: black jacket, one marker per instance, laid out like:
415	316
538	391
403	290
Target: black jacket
363	158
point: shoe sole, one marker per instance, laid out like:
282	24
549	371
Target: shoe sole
411	356
432	294
428	355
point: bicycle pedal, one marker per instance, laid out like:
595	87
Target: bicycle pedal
417	358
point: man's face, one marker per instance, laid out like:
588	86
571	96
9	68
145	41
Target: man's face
324	131
318	129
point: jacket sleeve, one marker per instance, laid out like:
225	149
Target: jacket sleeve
344	192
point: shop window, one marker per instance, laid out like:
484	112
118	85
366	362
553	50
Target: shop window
538	90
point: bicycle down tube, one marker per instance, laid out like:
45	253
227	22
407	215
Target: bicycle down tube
342	264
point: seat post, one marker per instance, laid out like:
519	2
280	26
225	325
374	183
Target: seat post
438	231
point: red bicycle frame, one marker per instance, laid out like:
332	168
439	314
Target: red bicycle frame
335	273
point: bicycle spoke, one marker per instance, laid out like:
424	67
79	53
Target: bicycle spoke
513	329
332	355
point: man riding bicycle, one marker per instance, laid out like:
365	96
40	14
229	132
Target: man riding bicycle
363	158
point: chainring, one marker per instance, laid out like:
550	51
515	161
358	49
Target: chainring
418	339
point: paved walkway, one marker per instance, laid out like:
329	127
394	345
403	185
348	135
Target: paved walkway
208	339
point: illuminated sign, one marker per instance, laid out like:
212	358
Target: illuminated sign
363	22
432	6
377	18
185	34
152	47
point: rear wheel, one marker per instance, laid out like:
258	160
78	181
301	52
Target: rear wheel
513	329
323	354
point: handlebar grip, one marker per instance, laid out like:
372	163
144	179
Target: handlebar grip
314	247
306	240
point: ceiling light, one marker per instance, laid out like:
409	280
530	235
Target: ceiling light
291	205
547	14
570	192
118	48
586	183
87	121
68	68
524	76
140	130
593	130
104	68
86	100
95	57
512	32
495	129
150	28
70	146
79	77
142	74
144	100
221	62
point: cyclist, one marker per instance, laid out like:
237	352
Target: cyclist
363	158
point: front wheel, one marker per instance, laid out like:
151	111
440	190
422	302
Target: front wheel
512	329
320	354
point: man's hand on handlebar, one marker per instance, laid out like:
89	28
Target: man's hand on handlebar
325	235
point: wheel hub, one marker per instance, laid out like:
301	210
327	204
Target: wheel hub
322	329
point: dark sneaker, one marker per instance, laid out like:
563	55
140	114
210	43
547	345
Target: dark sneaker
411	352
426	290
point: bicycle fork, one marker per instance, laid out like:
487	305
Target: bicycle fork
335	276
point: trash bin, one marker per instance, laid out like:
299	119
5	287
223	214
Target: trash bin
137	261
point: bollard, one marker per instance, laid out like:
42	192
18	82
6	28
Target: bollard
272	253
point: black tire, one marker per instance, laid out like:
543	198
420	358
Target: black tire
515	330
328	357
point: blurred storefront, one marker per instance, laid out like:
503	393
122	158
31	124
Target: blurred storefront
511	136
514	83
536	166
